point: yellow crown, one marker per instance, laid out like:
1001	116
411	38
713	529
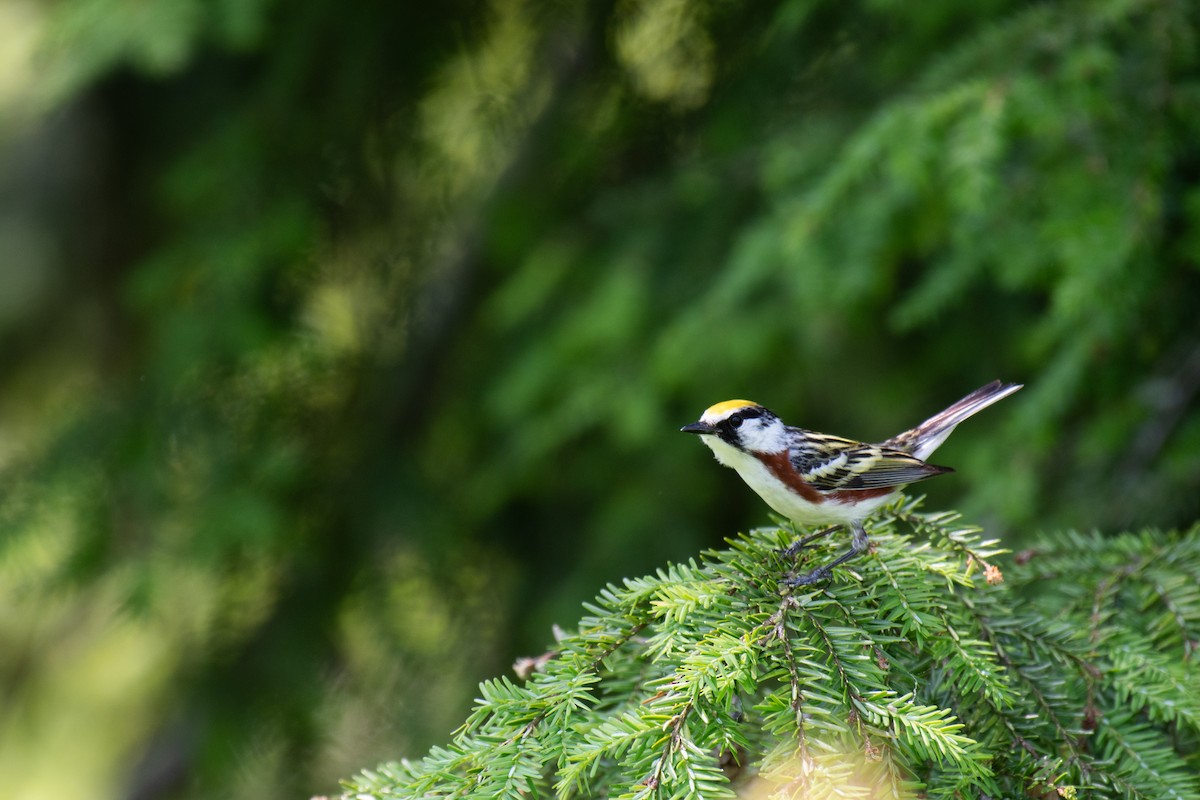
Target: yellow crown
723	408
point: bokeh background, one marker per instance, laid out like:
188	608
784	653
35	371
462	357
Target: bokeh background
343	346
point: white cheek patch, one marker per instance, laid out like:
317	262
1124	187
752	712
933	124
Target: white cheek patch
762	436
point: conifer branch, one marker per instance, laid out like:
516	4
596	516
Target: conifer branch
901	677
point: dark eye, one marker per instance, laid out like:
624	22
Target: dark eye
736	420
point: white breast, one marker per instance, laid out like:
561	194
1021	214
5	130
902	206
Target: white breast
782	499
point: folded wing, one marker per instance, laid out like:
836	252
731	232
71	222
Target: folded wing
829	463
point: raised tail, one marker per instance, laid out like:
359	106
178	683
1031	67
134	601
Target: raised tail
922	440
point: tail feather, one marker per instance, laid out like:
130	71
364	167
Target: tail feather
922	440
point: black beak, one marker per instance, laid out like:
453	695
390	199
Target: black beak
698	427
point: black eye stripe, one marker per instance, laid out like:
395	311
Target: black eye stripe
735	420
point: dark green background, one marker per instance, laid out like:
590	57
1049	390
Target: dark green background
343	346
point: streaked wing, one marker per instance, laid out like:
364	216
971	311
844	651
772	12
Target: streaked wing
830	463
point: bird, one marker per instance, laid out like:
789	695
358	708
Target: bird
818	479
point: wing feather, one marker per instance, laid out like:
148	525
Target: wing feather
830	463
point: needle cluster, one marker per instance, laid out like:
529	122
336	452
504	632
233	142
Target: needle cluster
918	671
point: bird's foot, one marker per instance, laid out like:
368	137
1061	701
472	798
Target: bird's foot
859	543
815	576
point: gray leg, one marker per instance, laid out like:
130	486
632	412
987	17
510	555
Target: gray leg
795	547
858	544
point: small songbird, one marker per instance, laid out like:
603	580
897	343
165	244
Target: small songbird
817	479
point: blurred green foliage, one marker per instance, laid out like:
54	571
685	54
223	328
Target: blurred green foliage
344	344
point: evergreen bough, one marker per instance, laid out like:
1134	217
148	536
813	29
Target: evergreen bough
904	676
